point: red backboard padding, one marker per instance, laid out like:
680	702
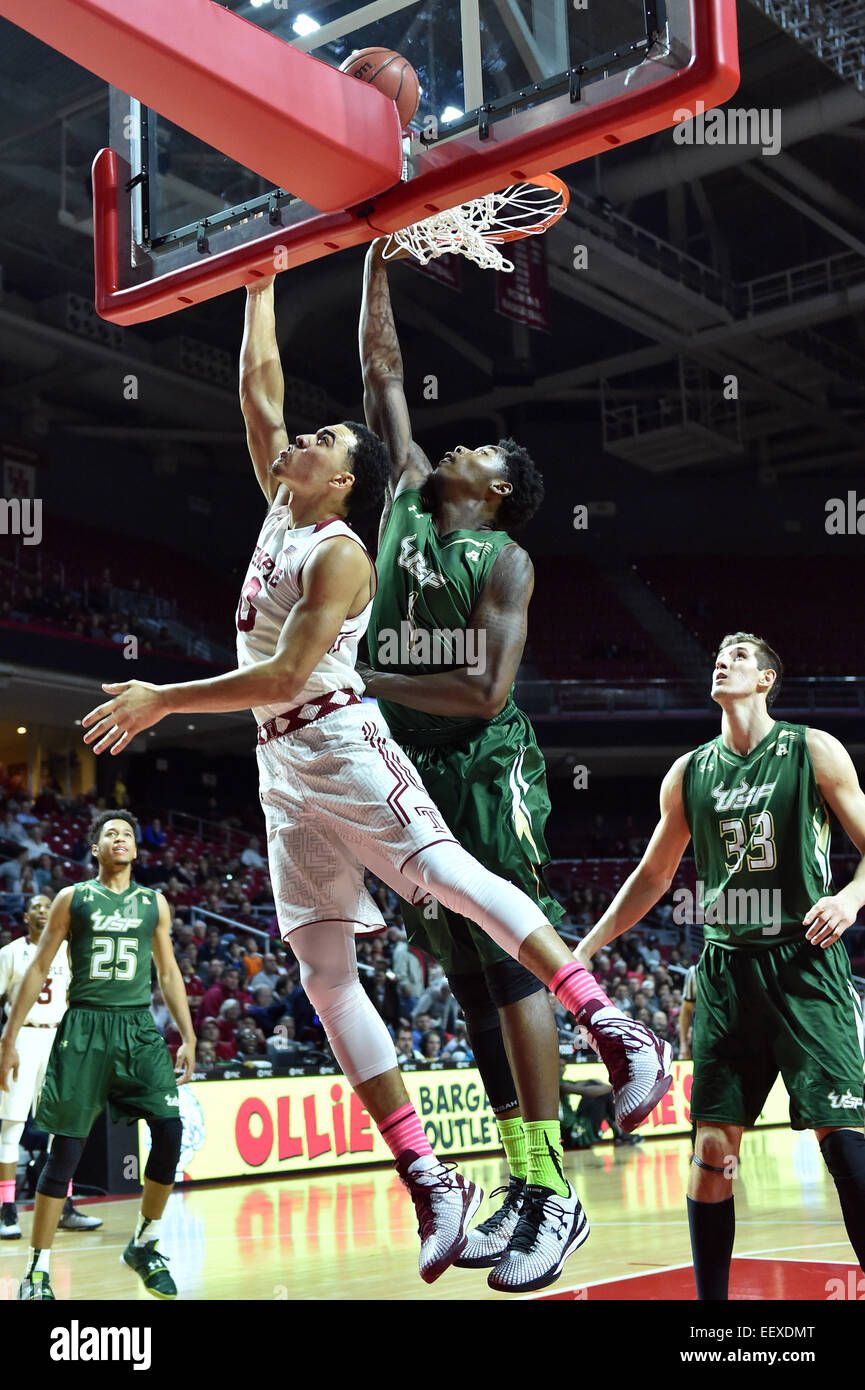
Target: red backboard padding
287	116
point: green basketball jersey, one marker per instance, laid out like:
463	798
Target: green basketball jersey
760	831
110	945
427	587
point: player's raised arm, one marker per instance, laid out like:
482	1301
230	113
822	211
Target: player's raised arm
173	990
52	938
838	783
262	387
336	585
384	399
655	872
495	638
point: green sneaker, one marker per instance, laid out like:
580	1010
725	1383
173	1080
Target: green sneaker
36	1285
152	1266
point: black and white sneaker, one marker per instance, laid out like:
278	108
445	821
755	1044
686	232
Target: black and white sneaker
74	1220
550	1229
35	1287
9	1228
445	1204
489	1240
638	1062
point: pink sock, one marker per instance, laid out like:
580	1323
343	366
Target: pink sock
403	1130
7	1190
575	987
69	1189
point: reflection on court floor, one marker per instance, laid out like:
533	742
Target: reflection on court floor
351	1236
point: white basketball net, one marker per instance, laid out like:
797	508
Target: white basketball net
473	229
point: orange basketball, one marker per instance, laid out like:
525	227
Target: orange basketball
391	73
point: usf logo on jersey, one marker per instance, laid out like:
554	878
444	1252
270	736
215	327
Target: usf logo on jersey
116	921
411	559
739	798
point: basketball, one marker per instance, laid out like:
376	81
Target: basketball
391	73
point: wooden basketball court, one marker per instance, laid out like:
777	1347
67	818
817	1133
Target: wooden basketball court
351	1236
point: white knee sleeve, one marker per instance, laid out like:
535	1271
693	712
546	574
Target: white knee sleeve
328	972
10	1140
459	882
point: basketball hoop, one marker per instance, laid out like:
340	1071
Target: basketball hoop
476	229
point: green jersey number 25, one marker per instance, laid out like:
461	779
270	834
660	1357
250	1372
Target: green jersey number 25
113	958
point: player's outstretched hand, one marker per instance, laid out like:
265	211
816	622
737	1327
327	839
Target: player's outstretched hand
137	705
8	1066
184	1063
828	919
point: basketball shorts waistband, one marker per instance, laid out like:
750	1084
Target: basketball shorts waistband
310	713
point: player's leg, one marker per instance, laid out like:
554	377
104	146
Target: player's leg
638	1063
142	1254
818	1017
532	1043
10	1140
844	1153
711	1210
734	1071
143	1085
367	793
443	1200
492	791
54	1180
71	1219
321	899
34	1046
447	939
73	1094
552	1224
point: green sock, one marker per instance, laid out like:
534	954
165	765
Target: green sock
514	1144
544	1148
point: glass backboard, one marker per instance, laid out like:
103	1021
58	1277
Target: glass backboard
509	88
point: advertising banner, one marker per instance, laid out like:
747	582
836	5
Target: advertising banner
303	1124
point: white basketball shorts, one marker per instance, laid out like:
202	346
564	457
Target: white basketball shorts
339	794
34	1047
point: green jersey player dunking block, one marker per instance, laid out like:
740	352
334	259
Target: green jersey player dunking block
774	988
107	1049
449	571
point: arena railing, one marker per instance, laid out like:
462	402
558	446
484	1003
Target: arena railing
226	924
661	698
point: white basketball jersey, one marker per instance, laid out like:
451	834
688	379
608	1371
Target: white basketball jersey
50	1005
273	585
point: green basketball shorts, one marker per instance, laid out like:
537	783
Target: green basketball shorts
788	1008
106	1056
491	789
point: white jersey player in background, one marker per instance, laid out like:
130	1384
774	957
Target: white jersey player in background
337	792
34	1046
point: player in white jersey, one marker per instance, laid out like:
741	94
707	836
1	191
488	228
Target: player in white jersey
34	1046
337	792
